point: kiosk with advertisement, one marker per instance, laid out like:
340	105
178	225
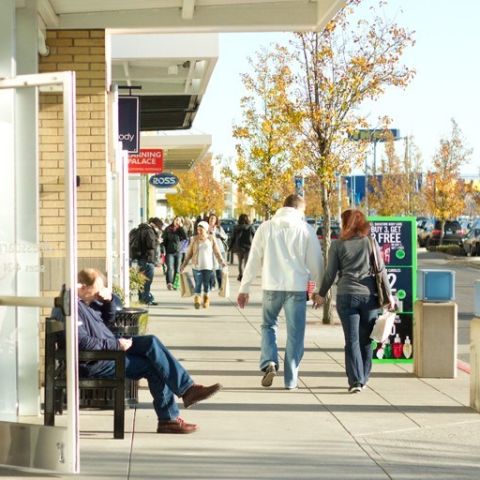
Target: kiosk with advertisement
397	238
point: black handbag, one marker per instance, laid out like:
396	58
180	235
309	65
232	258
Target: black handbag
382	289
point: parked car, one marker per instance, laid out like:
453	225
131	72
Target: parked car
430	234
421	222
228	225
471	242
334	231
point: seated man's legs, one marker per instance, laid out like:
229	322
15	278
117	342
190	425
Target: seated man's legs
163	398
162	362
150	359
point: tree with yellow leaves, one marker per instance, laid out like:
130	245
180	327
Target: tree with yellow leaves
197	192
265	164
445	191
395	191
348	63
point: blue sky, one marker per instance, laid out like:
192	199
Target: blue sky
446	84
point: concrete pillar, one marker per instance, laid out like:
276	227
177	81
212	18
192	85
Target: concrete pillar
8	364
27	236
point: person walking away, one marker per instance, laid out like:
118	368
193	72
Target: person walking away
145	356
289	255
157	226
357	301
203	247
241	242
143	248
172	237
216	230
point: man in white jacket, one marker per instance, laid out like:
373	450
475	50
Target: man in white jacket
289	253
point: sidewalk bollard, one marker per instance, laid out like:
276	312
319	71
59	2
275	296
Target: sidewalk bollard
475	364
435	339
476	297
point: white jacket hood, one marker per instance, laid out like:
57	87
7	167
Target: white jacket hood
287	217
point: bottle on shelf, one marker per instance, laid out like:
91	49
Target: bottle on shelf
387	349
397	347
407	347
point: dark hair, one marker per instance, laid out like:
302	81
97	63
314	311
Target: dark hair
243	219
217	220
354	223
156	221
294	200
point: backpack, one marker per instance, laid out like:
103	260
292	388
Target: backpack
135	243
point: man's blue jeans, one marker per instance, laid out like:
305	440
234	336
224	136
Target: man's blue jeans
202	278
357	314
173	264
148	269
149	358
295	308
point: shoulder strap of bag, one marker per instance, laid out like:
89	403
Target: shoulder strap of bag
375	264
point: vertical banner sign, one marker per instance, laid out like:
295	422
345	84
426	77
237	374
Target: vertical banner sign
128	123
397	238
299	183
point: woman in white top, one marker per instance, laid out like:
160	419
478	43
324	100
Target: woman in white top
201	251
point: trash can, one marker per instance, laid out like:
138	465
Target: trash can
435	339
127	323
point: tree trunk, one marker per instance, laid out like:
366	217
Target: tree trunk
327	221
442	232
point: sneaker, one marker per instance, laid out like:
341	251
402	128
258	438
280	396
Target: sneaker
270	373
169	286
198	393
355	388
152	302
177	425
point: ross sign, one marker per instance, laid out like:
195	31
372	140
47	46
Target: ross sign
375	134
128	123
147	160
397	238
163	180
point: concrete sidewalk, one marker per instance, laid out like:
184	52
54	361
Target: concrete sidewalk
400	427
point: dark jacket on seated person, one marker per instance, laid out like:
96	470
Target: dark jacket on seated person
93	334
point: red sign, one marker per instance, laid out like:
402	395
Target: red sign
148	160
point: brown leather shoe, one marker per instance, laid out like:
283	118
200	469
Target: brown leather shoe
197	393
177	425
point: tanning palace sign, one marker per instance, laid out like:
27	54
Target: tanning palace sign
148	160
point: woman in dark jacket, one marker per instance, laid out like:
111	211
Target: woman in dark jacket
357	299
172	239
241	242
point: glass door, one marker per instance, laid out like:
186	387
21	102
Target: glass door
24	440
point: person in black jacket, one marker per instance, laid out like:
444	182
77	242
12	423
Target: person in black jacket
241	242
172	237
145	357
146	254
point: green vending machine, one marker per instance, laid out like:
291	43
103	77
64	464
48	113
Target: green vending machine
397	238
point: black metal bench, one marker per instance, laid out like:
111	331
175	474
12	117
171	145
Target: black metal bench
55	379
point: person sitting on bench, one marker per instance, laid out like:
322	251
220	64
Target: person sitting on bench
145	356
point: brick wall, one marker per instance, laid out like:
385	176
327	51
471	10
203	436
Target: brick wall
82	51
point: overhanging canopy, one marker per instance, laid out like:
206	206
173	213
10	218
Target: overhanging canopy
188	15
